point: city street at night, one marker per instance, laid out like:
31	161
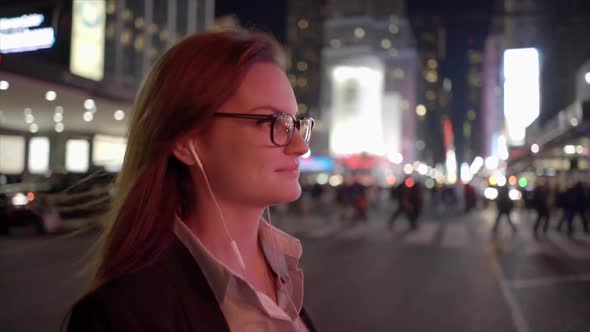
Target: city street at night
431	157
449	275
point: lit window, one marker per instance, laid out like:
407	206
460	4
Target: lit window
126	37
428	37
398	73
335	43
471	115
303	24
108	151
432	63
302	65
359	32
431	76
163	34
475	56
110	31
393	28
138	44
127	15
153	28
420	145
38	155
467	130
474	78
152	53
302	82
430	95
12	154
139	23
77	155
447	84
111	7
386	43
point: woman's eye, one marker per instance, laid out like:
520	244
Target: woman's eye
263	124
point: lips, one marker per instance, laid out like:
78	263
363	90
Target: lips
290	168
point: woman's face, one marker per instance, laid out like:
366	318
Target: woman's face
241	162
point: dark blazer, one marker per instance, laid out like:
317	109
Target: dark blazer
171	295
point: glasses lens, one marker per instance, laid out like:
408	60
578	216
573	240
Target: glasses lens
283	129
306	125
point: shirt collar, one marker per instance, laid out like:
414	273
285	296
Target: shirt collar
281	250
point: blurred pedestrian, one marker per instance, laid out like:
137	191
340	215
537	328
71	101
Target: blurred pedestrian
345	199
360	202
406	200
469	197
541	206
505	205
213	141
576	206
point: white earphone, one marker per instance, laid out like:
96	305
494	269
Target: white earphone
233	244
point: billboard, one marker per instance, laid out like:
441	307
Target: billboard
521	92
357	98
88	39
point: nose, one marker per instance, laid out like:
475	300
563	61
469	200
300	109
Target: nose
297	146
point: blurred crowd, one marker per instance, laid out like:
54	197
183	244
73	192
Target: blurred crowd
563	204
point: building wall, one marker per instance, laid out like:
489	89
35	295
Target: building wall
432	92
138	32
305	20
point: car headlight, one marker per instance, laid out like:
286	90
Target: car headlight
19	199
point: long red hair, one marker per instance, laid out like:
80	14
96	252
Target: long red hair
180	94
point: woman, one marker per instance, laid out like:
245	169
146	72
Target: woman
214	139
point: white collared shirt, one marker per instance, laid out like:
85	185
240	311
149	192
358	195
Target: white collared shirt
245	308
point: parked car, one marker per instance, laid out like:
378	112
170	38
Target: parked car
23	205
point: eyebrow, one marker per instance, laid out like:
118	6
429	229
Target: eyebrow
275	110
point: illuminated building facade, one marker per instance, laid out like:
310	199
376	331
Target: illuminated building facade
368	79
68	101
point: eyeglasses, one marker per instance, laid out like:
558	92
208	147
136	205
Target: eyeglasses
282	125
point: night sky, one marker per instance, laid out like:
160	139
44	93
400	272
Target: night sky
267	15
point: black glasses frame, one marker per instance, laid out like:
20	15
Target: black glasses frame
272	118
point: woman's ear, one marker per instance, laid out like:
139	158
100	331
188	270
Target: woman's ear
182	151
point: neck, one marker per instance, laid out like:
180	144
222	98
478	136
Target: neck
242	224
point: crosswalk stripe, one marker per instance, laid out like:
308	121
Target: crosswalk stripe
455	236
584	238
353	232
535	247
424	235
379	234
324	231
569	247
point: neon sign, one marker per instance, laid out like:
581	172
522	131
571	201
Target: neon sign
22	34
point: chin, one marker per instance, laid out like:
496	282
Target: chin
288	194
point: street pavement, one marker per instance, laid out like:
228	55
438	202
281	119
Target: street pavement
451	274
